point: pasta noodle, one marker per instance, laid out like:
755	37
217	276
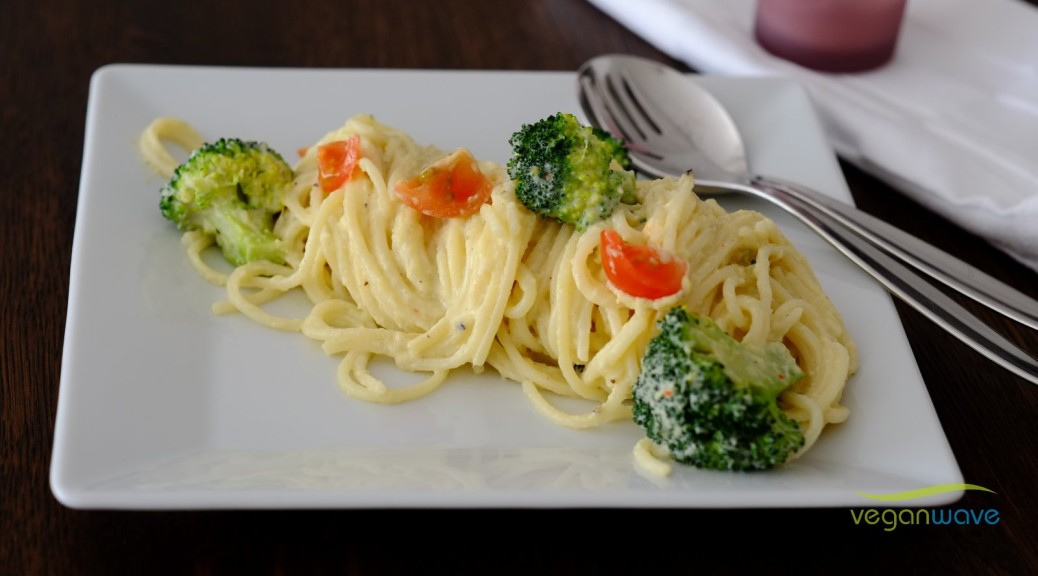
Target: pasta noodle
525	296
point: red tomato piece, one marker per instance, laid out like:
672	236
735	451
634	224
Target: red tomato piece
336	162
451	187
641	271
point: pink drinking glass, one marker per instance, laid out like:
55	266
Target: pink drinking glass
830	35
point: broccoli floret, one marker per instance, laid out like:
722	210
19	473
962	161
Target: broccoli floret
232	189
712	400
577	174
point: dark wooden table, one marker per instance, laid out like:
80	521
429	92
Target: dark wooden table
48	51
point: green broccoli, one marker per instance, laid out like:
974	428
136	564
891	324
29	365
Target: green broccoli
712	400
574	173
232	189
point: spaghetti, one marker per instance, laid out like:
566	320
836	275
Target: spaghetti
522	295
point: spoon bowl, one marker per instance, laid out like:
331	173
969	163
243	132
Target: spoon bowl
673	127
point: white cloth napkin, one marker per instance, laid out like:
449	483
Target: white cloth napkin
952	121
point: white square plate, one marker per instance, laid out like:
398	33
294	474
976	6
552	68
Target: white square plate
163	405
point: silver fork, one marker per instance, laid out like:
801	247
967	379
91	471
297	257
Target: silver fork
672	125
653	151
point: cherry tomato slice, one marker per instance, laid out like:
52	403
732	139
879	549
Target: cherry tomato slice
641	271
451	187
336	162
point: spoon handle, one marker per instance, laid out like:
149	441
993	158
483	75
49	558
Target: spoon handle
927	258
915	290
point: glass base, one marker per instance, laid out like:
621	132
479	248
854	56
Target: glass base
830	35
825	61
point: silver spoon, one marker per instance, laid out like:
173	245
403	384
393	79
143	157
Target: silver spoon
671	125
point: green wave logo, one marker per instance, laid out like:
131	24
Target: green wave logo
922	492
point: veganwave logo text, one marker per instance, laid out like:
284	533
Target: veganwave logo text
891	518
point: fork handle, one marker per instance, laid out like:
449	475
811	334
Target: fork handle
914	289
925	257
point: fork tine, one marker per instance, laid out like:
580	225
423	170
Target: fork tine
623	91
597	111
610	116
609	108
617	108
631	118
